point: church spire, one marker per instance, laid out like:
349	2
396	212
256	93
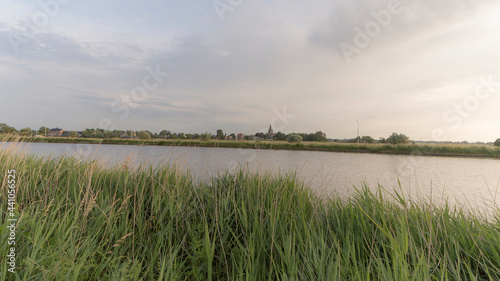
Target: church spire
270	133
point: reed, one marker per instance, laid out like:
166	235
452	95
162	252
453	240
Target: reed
79	220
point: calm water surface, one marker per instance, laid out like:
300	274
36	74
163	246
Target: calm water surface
469	182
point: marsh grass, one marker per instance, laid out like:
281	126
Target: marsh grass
80	220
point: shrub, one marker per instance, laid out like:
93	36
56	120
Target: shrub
497	142
144	135
398	139
294	138
205	137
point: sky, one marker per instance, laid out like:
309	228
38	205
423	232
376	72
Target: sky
428	69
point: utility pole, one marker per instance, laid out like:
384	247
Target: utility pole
358	130
130	126
45	126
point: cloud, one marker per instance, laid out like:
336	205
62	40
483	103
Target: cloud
412	17
265	55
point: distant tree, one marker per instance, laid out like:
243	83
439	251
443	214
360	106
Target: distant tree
233	136
220	134
4	128
354	140
261	135
164	134
88	133
294	138
205	137
73	134
307	137
382	140
320	136
107	134
98	133
117	133
398	139
43	130
92	133
497	142
279	136
367	139
248	137
26	131
95	133
143	135
149	132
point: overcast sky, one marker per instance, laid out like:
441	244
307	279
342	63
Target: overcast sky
429	69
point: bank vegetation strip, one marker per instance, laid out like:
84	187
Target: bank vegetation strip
78	220
418	149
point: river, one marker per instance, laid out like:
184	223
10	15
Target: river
469	182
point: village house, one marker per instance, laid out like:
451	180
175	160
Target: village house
56	132
127	135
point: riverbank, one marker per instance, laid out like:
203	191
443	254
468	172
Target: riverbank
82	221
447	150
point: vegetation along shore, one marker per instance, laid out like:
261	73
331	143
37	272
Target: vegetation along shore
417	149
78	220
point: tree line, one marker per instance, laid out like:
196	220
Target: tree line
318	136
164	134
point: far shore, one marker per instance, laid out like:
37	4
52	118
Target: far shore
418	149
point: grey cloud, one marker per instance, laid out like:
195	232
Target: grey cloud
46	47
87	97
202	63
61	49
416	15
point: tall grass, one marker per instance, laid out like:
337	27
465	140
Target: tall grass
83	221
